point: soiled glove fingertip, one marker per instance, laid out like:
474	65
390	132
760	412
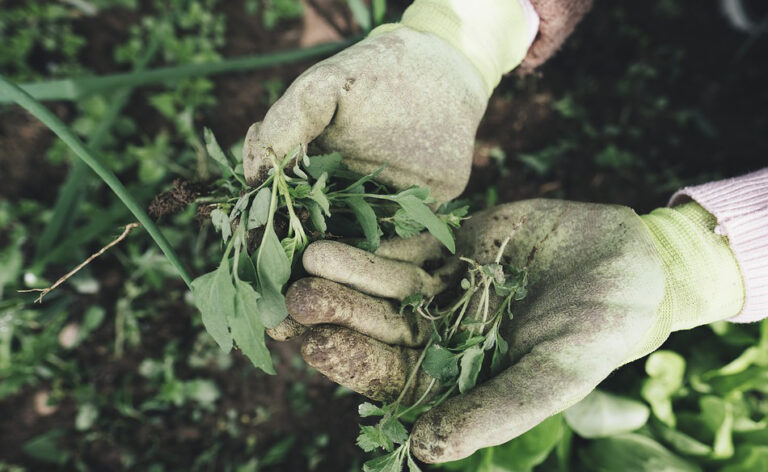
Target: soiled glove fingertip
287	329
429	439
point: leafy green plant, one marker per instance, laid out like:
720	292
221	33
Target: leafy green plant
283	214
465	338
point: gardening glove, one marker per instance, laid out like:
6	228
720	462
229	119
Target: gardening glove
605	287
410	96
558	19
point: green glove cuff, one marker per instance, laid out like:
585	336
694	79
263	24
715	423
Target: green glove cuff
703	281
492	34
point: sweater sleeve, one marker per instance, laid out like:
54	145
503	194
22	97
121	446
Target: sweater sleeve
740	205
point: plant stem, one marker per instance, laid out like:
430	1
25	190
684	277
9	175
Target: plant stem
414	371
71	194
40	112
74	89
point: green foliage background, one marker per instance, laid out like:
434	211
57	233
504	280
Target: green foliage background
114	371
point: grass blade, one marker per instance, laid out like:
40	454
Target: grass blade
40	112
74	89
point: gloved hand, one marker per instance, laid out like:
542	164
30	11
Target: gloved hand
605	287
410	96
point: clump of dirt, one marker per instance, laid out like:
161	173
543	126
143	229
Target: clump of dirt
173	201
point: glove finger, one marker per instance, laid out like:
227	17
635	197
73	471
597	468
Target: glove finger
286	329
367	366
538	386
417	250
369	273
313	301
298	117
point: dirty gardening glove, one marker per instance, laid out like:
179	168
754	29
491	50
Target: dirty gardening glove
410	96
605	287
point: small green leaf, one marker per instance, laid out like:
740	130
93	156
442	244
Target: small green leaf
300	191
602	414
258	214
361	13
274	269
420	212
405	226
412	466
372	438
440	363
317	217
392	462
411	301
369	409
247	328
394	430
220	222
325	163
214	150
368	222
318	194
471	362
215	298
45	448
665	370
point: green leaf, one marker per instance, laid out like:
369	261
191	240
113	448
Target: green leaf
633	452
394	430
220	222
369	409
665	370
317	218
749	458
602	414
325	163
361	13
300	191
471	362
258	214
274	270
45	448
247	328
440	363
412	302
718	415
215	298
367	219
214	150
499	359
420	212
680	441
392	462
372	438
422	193
405	226
412	466
318	194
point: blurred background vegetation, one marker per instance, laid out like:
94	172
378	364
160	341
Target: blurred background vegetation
113	371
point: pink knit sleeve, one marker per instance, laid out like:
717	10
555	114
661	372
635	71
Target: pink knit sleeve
741	208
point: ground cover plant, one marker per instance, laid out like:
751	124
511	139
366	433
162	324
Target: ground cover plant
244	295
115	371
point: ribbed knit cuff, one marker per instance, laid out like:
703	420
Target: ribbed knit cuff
741	207
493	34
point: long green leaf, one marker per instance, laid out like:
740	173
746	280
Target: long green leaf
74	89
63	132
70	193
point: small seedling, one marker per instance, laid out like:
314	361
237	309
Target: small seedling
265	230
465	338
